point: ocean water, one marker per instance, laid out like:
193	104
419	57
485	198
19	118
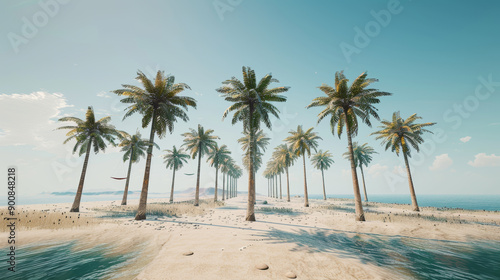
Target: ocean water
471	202
405	258
67	260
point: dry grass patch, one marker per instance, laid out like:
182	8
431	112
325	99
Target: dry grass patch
176	209
45	219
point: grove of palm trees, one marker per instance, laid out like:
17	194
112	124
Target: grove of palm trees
159	103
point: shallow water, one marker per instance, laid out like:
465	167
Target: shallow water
67	260
404	257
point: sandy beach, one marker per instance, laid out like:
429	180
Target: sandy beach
308	243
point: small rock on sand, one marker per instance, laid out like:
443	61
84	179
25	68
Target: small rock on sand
291	275
189	253
262	266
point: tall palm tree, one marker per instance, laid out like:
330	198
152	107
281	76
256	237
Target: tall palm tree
301	143
226	165
252	105
286	157
322	161
199	142
175	160
362	156
160	104
399	135
345	104
216	155
134	147
89	133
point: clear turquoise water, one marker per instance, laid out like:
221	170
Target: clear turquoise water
404	257
471	202
65	261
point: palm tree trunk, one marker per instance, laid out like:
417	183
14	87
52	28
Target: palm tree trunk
360	215
272	187
216	177
324	191
412	190
172	189
197	192
229	184
78	197
306	197
223	185
287	186
124	200
364	186
281	193
250	216
141	211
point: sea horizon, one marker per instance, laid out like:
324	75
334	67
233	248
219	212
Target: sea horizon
462	201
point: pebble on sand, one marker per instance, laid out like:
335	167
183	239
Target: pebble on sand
189	253
262	266
291	275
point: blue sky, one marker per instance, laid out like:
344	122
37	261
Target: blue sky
439	59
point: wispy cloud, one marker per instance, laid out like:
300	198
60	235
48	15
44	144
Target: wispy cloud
465	139
482	160
104	94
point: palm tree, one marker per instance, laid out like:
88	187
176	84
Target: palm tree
399	135
226	166
199	142
286	157
215	157
301	142
175	160
322	161
252	105
362	156
345	104
89	133
159	103
134	147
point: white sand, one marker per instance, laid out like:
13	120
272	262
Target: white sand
227	247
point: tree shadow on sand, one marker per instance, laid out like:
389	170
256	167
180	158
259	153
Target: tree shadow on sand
407	258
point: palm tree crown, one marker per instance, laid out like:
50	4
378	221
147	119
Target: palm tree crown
134	147
199	141
362	154
175	158
217	154
157	102
322	160
301	142
400	135
252	99
91	132
344	104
